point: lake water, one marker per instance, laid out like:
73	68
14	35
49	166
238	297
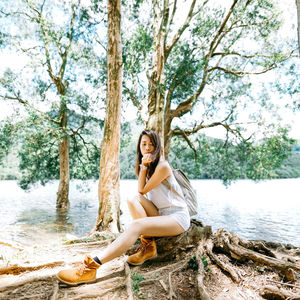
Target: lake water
268	210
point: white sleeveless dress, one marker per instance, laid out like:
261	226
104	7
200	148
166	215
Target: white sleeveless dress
170	204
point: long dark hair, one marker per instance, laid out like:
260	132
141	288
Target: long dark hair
155	140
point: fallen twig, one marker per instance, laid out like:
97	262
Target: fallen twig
171	292
283	283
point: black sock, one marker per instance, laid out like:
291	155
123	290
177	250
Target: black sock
97	260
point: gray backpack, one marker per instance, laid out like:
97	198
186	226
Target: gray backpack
189	194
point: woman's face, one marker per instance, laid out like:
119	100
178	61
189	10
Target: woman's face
146	145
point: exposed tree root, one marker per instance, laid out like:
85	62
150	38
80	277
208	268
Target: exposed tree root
285	284
228	268
16	269
172	294
97	295
167	267
11	246
128	282
201	273
230	244
273	292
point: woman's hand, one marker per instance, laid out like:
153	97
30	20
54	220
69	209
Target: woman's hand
147	159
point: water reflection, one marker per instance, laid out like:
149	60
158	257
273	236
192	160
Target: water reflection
35	216
230	218
267	210
62	221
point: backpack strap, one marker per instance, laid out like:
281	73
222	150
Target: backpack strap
167	184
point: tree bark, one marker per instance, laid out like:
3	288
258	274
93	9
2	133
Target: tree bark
157	79
109	181
167	131
62	201
160	115
298	21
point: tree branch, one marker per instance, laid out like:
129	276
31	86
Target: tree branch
65	53
76	131
135	102
26	103
188	104
180	30
241	73
187	132
214	41
183	134
170	21
100	43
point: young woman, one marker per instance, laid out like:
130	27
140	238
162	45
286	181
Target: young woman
157	211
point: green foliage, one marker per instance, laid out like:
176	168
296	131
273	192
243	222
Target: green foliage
127	159
58	43
129	137
84	159
204	261
206	71
218	159
136	49
290	167
36	142
288	83
193	264
269	155
220	78
39	159
6	138
136	280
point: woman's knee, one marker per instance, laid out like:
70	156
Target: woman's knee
137	226
133	229
134	200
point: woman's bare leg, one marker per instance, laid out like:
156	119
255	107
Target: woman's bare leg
140	207
149	226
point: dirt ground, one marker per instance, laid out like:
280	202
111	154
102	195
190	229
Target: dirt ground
179	278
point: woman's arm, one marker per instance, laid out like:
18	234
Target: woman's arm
161	172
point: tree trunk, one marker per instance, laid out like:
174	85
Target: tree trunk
109	181
62	200
157	79
167	132
298	21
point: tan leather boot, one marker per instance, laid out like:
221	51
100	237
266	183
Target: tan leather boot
147	251
84	273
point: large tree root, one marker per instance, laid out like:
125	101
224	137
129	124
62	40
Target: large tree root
128	282
17	270
201	273
172	294
273	292
234	246
227	266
